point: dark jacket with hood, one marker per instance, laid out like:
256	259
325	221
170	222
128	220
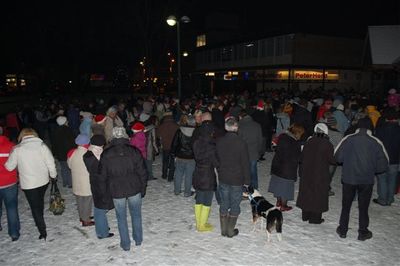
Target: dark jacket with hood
181	146
124	168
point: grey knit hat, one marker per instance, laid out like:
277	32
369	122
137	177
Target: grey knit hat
119	132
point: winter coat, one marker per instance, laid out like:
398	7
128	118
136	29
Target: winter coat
181	146
166	132
362	156
282	123
152	148
79	173
139	141
205	155
264	121
314	175
100	191
73	117
109	124
342	123
303	117
7	178
334	136
234	163
124	168
389	134
62	141
251	133
86	127
98	129
202	130
287	157
218	118
34	161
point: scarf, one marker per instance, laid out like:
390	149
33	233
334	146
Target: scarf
97	150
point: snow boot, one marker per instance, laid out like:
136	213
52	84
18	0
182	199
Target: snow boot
224	224
197	213
204	226
231	230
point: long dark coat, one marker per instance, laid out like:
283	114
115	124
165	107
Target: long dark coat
316	157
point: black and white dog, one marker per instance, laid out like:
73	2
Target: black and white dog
262	208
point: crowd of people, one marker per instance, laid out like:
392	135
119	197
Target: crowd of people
209	146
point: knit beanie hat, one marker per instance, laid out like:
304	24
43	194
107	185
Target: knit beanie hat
61	120
260	105
82	139
321	128
98	140
119	132
100	119
137	127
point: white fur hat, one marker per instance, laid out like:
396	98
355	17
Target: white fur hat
61	120
321	128
340	107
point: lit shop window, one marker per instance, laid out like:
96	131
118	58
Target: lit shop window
201	40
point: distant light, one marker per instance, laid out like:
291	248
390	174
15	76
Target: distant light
185	19
172	60
141	63
210	74
171	20
250	44
70	81
185	54
169	54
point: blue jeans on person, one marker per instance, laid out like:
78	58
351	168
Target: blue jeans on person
10	197
183	172
66	174
387	185
253	174
231	196
204	197
135	209
101	222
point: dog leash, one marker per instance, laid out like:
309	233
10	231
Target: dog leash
251	198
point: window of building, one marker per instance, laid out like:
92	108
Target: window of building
201	40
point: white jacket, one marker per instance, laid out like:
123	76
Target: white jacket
34	161
80	175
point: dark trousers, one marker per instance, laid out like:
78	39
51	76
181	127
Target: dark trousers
168	166
312	217
364	198
35	199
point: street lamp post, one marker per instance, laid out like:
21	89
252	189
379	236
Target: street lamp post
172	21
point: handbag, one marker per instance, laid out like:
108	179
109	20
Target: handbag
57	203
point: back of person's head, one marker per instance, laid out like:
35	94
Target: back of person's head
297	130
27	132
390	114
242	113
231	124
206	116
365	123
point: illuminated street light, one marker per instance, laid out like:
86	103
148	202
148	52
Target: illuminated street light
185	54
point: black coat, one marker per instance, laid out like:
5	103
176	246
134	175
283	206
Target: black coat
218	119
303	117
389	134
62	141
264	121
205	155
234	168
124	168
286	158
181	146
98	183
314	174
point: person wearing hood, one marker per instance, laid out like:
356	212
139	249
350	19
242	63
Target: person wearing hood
363	156
101	194
8	189
342	122
138	138
81	180
126	176
62	141
181	150
316	157
86	124
35	163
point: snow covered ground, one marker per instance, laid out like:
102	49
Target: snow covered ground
170	237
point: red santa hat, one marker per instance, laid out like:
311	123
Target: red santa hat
137	127
100	119
260	105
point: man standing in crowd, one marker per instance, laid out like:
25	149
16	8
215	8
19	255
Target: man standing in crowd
362	156
233	173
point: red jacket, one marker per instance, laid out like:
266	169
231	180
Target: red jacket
6	177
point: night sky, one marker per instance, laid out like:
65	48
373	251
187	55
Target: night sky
95	36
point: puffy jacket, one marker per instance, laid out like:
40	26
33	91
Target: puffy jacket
35	163
139	141
389	134
124	168
80	175
86	127
181	146
7	178
287	157
362	156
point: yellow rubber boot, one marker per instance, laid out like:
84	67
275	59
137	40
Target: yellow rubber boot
204	226
197	214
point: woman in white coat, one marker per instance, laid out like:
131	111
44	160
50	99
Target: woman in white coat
35	163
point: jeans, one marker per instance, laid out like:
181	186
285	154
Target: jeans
204	197
364	198
101	222
135	209
10	197
66	174
168	166
231	196
387	185
35	199
253	174
183	172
